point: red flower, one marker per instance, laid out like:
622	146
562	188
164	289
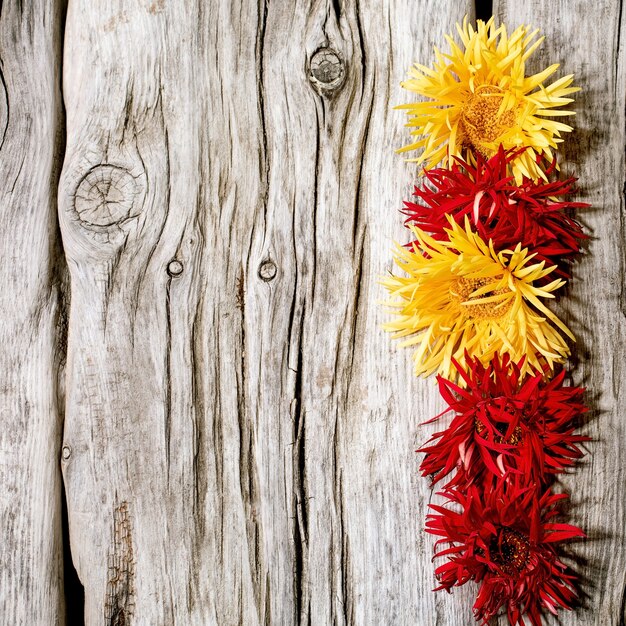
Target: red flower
504	539
504	423
532	213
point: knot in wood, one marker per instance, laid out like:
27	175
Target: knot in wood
327	69
66	452
267	270
174	267
105	196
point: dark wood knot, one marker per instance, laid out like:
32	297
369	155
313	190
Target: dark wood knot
267	270
175	268
327	70
105	197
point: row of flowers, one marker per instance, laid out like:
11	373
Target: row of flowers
492	242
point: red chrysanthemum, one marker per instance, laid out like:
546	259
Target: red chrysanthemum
504	538
533	213
505	423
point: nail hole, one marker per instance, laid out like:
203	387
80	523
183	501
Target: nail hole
327	70
66	452
267	270
175	268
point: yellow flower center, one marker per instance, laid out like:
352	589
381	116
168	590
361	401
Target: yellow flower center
462	288
510	550
480	119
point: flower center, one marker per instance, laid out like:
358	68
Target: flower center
480	119
514	439
510	550
462	288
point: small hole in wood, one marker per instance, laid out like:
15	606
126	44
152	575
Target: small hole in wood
267	270
327	69
175	268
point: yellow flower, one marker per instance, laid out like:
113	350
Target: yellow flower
460	295
479	97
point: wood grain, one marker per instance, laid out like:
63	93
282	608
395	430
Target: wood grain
588	40
31	332
244	409
239	435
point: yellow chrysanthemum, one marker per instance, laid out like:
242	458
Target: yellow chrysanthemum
460	294
479	97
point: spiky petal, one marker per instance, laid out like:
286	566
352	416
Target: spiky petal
505	538
505	423
533	213
461	296
478	97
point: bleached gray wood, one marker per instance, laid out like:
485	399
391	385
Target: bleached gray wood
31	327
240	432
588	40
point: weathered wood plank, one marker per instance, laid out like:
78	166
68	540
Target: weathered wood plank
240	434
588	40
160	185
241	431
369	561
357	551
31	133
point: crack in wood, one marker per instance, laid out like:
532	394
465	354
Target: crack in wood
301	574
346	579
4	108
264	164
167	387
61	280
247	469
120	589
483	9
240	287
622	225
361	48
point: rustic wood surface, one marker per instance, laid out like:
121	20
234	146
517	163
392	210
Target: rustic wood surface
239	436
588	40
31	346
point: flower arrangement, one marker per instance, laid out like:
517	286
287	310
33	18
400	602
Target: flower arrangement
493	239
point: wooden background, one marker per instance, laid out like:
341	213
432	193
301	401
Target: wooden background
194	360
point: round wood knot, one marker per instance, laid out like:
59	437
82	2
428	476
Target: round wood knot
105	197
327	69
66	452
267	270
174	267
